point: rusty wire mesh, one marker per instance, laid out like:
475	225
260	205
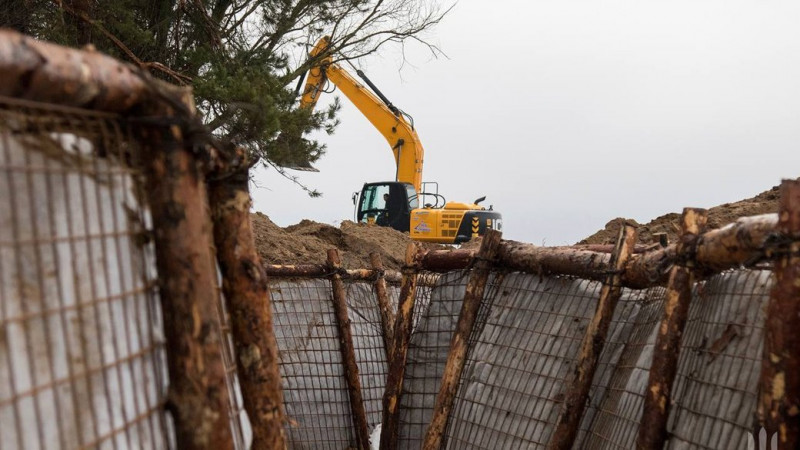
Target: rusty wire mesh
314	385
615	406
436	309
239	423
365	323
82	357
715	389
522	348
522	357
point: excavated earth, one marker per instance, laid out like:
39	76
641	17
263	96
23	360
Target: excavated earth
307	242
718	216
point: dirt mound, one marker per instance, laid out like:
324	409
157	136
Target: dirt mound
718	216
308	242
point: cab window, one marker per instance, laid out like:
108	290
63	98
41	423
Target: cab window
413	199
373	197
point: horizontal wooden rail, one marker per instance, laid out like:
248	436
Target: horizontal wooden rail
737	244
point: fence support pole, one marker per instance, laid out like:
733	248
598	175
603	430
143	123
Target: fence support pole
593	342
198	396
779	385
397	358
456	357
348	352
653	428
244	283
387	317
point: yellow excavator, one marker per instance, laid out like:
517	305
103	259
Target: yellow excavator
397	203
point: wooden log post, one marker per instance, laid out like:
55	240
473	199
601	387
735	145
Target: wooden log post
456	358
244	283
348	351
385	307
403	323
592	345
198	396
779	384
653	428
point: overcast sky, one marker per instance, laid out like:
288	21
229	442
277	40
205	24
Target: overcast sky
568	114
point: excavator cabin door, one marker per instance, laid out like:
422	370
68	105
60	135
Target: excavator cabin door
387	204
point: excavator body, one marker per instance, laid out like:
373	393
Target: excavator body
397	205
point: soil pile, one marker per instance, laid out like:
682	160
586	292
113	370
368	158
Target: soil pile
718	216
308	242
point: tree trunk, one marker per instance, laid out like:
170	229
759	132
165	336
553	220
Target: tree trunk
244	283
653	429
348	352
198	395
592	345
397	359
779	385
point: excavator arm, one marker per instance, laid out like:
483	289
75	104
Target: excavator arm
385	117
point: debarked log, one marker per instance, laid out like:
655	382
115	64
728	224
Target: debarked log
323	271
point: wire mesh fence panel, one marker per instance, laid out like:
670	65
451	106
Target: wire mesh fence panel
716	388
714	395
82	357
241	430
616	398
522	352
365	323
636	313
314	387
436	311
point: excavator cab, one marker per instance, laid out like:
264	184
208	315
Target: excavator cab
388	204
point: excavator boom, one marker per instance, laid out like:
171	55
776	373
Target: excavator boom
388	120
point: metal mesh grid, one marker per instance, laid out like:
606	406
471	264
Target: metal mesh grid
241	432
715	389
436	310
82	358
522	350
312	373
717	382
365	323
616	398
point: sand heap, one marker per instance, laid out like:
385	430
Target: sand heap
718	216
308	242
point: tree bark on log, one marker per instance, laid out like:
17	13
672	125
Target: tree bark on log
553	260
246	290
592	345
444	260
397	358
731	246
198	396
359	415
653	428
385	307
456	357
779	383
49	73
